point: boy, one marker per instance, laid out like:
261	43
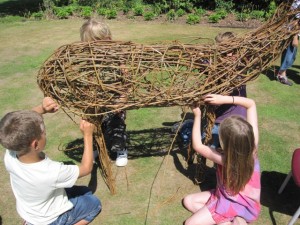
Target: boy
44	188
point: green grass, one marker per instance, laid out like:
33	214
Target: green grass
26	45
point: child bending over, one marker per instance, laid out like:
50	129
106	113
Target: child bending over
113	123
237	195
44	188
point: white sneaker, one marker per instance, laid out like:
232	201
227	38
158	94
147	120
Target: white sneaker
121	158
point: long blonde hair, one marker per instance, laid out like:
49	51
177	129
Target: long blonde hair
93	30
238	144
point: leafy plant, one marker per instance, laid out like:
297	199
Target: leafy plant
149	15
271	10
257	14
138	10
62	12
192	19
111	14
37	15
171	15
214	18
102	11
200	11
228	6
180	12
86	11
221	12
242	16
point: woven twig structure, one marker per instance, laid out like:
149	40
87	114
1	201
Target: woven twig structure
93	78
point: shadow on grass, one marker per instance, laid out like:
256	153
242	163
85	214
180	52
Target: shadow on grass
287	202
291	74
19	7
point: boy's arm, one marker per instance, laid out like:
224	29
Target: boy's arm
248	103
198	146
47	106
86	165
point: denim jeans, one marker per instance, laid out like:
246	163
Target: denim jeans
86	207
288	57
215	136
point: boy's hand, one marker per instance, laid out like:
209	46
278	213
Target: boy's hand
86	127
49	105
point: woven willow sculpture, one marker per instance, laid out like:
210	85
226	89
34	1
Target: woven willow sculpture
91	79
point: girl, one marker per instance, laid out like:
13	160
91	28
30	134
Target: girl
113	123
238	175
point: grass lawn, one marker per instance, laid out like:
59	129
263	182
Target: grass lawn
150	188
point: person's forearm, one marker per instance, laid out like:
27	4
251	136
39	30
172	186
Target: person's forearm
196	132
295	41
39	109
87	157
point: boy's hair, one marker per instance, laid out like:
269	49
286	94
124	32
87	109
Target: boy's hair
224	36
18	129
238	144
93	30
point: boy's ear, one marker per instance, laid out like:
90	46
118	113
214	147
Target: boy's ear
34	144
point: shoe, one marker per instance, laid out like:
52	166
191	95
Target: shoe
284	80
121	158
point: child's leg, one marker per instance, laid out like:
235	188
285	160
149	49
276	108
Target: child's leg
239	221
85	207
201	217
194	202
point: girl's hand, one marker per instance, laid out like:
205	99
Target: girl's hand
49	105
214	99
197	111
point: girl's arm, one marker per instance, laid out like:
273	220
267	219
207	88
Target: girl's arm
198	146
295	41
248	103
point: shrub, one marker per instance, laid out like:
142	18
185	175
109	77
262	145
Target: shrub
138	10
62	12
271	10
221	12
228	6
156	8
37	15
171	15
86	11
200	12
214	18
149	15
257	14
180	12
102	11
111	14
192	19
242	16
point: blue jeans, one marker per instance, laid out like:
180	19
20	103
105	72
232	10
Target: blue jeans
215	136
288	57
86	206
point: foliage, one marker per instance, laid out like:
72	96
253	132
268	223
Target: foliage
86	12
242	16
257	14
111	14
221	12
214	18
37	15
138	10
200	12
62	12
149	15
102	11
171	15
11	19
271	10
192	19
227	6
180	12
